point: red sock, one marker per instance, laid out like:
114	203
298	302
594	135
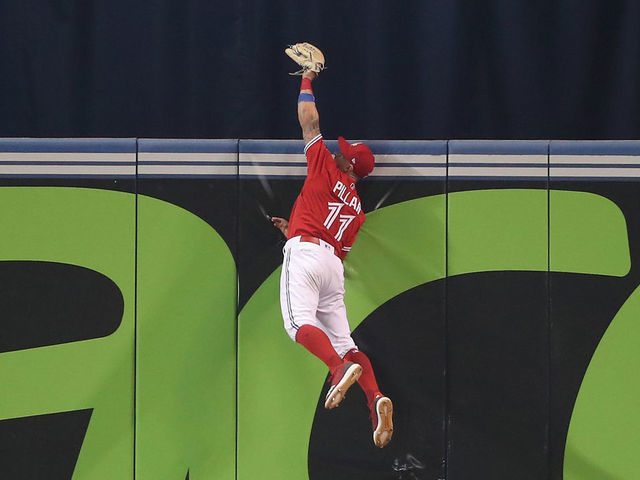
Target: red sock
367	380
317	342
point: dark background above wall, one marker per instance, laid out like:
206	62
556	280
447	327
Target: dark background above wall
417	69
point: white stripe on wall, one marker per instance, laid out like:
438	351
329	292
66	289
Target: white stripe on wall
595	172
178	170
498	172
186	157
483	158
595	159
106	170
409	171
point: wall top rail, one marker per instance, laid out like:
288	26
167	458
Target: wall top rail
428	160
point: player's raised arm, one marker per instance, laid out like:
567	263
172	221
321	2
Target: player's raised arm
307	112
311	61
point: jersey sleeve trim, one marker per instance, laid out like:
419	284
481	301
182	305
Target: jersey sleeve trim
311	142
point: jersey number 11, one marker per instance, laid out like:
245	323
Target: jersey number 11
334	213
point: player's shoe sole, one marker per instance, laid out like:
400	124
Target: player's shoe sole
337	392
384	430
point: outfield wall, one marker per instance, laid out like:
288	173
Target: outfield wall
493	286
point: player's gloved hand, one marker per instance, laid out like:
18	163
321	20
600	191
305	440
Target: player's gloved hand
307	56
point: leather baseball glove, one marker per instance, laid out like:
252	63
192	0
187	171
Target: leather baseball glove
307	56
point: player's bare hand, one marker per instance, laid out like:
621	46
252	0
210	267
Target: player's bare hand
281	224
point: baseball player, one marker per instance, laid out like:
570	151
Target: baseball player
323	225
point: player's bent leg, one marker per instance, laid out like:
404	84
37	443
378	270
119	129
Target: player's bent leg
333	318
367	380
380	406
343	374
317	342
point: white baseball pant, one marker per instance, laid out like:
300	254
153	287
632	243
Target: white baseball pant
312	292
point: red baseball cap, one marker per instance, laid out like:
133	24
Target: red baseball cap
359	155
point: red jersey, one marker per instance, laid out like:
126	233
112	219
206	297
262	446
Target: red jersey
328	206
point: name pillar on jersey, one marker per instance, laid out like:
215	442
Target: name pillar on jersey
343	194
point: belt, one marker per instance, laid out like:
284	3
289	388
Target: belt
317	241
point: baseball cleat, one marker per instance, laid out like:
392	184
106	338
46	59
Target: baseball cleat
345	375
382	419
